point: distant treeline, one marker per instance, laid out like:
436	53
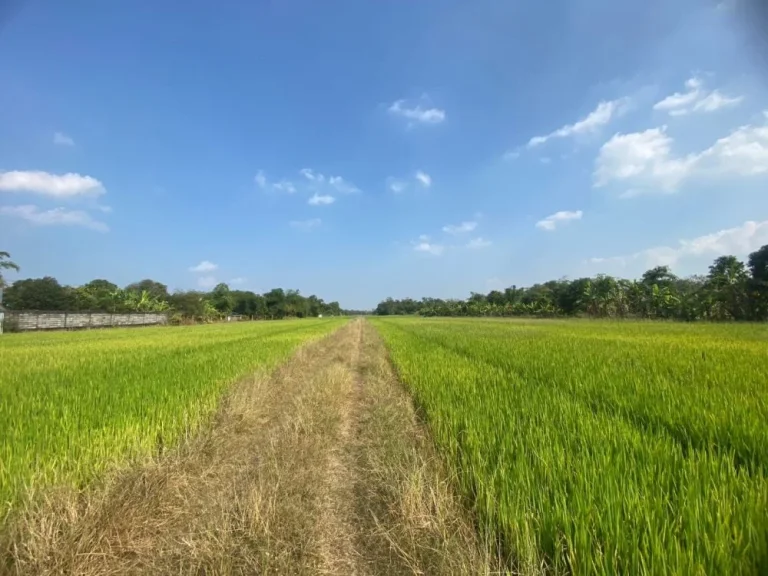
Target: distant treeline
151	296
730	291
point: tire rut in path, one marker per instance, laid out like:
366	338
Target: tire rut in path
319	468
337	521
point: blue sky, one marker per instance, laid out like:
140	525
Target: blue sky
358	150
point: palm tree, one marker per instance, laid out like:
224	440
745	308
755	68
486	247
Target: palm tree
6	264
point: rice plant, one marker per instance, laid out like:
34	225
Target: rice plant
74	404
598	447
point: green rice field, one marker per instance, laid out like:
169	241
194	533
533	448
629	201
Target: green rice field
581	447
72	404
589	447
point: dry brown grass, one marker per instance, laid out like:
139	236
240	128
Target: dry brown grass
319	468
413	514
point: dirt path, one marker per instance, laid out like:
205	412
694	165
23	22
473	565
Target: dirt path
319	468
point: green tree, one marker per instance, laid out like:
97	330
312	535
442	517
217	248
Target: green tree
727	280
221	299
758	283
155	289
190	304
6	264
660	275
37	294
101	295
275	300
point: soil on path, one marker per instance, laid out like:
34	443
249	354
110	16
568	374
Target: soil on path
319	468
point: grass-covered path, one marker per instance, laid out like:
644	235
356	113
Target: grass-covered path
318	468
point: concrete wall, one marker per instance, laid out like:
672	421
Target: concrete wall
24	321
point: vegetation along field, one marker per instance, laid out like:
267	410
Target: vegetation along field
544	447
592	447
72	404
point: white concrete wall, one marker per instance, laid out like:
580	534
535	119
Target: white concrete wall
25	321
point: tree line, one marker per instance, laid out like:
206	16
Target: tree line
47	294
731	290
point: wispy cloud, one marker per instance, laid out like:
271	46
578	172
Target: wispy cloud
479	242
424	179
645	160
554	220
204	266
739	241
342	185
396	186
460	228
305	225
428	247
284	186
319	181
696	99
416	112
238	281
62	186
600	116
61	139
310	175
260	179
321	200
54	217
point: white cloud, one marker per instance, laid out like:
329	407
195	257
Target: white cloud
62	139
238	281
319	180
738	241
321	199
424	238
342	185
396	186
310	175
54	217
744	152
551	222
417	113
642	156
600	116
260	179
681	99
420	179
715	100
204	266
307	225
424	179
460	228
479	242
695	99
67	185
512	155
645	159
207	281
284	186
429	248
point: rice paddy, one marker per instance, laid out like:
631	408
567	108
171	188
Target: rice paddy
600	447
74	404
